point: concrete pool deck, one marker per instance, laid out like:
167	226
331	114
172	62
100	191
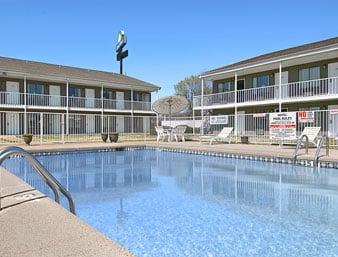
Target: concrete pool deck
34	225
237	149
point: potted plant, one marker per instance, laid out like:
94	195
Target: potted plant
27	138
104	137
113	137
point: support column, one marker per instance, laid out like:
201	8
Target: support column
193	115
280	86
236	115
25	104
67	107
132	109
202	105
102	108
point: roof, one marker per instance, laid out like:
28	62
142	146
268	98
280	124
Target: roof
46	69
276	54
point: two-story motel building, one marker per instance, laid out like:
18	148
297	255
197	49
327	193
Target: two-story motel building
298	78
29	86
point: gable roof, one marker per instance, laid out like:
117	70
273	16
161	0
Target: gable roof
46	69
276	54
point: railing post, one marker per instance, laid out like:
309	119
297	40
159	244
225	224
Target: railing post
102	108
25	104
193	115
280	86
202	105
41	127
132	109
62	128
236	114
67	109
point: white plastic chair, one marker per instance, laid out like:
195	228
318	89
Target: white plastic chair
161	134
178	133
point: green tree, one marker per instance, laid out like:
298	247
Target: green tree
190	87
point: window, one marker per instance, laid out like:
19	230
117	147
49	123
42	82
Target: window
224	87
74	91
309	73
261	81
107	94
35	88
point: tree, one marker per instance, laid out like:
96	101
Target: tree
190	87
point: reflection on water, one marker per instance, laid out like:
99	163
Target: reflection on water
144	187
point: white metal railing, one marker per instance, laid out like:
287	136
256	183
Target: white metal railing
46	100
141	106
258	94
61	128
12	98
18	99
301	89
256	125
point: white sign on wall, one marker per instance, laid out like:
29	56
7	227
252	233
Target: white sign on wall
282	125
219	119
306	117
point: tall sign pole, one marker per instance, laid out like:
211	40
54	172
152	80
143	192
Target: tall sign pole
120	54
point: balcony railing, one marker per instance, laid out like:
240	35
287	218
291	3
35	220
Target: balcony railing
289	91
18	99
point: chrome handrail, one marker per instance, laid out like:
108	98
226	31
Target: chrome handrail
299	143
51	181
319	147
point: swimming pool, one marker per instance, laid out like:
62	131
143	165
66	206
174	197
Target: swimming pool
158	203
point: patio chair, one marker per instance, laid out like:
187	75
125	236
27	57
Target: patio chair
223	136
312	134
178	133
161	133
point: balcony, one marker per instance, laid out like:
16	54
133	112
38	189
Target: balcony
319	89
18	100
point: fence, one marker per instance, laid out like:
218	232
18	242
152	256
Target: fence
62	127
256	126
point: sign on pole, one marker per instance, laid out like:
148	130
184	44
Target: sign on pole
282	125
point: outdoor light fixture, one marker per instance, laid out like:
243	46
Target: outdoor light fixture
121	42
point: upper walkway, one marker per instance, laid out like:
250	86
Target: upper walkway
302	91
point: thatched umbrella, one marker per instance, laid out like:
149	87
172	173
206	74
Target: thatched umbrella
170	105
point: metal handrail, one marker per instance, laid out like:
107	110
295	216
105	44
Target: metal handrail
299	143
319	147
51	181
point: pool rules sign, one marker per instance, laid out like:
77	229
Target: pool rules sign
282	125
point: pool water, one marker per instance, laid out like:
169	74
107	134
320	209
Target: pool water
158	203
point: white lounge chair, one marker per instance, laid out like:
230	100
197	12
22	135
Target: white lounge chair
311	133
178	133
161	133
223	136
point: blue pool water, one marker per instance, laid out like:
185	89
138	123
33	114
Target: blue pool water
158	203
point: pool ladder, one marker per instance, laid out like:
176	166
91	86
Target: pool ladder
298	147
319	147
318	150
51	181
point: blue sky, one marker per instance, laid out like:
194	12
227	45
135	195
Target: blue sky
168	40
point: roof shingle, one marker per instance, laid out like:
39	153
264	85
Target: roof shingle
46	69
276	54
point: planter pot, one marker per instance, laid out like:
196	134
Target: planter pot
28	139
104	137
114	137
245	140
